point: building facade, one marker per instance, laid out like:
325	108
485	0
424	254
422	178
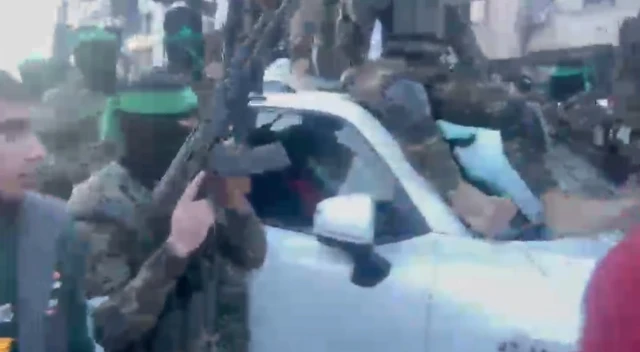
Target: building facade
510	29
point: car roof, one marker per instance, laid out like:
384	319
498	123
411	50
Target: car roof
337	104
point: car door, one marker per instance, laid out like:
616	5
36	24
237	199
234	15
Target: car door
508	296
303	298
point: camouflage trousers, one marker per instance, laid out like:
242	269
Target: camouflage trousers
232	310
312	32
186	324
356	23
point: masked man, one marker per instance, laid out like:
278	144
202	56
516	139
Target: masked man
42	305
151	294
69	120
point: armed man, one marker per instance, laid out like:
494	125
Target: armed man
402	79
150	293
68	123
458	94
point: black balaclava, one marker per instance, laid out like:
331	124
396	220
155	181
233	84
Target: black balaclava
96	56
148	112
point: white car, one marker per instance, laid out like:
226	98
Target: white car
383	264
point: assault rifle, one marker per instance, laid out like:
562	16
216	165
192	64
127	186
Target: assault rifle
196	311
203	148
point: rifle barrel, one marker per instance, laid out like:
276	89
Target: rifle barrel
230	93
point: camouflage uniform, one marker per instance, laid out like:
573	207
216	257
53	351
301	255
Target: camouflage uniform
355	26
68	124
404	110
357	19
379	86
145	287
312	30
457	92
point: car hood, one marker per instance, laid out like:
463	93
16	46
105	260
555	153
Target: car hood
514	290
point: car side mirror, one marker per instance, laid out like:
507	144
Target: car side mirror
348	222
348	219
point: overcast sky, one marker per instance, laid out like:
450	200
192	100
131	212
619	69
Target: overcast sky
25	28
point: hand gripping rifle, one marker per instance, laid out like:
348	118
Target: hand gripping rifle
203	148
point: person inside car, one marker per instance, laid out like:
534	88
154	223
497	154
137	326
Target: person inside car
319	165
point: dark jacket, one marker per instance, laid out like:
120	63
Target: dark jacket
47	244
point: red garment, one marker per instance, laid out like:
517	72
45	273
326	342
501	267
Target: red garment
612	301
309	195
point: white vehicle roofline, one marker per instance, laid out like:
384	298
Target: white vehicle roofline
435	210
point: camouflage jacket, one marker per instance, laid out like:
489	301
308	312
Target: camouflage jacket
400	105
68	125
136	279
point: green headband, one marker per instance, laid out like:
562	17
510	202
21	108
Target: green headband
187	34
33	60
165	103
87	35
184	33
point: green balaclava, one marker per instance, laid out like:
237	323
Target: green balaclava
146	101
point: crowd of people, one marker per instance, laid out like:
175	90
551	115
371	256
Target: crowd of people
55	256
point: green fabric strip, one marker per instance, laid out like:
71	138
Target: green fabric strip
185	33
172	104
570	71
86	35
33	61
157	103
109	127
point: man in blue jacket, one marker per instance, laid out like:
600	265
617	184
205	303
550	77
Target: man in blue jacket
42	306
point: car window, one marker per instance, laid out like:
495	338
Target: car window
329	157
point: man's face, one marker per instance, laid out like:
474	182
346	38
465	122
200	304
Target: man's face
20	150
